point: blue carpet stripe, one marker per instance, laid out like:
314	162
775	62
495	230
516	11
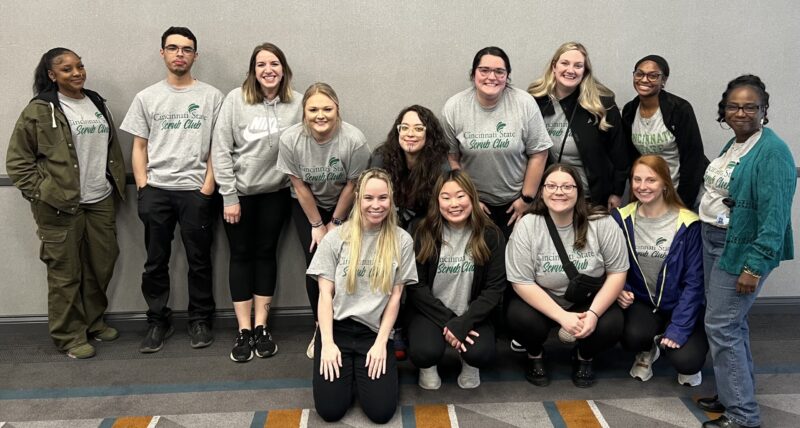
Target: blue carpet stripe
107	423
554	414
692	406
259	419
409	420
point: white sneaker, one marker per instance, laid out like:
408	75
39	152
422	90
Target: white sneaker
429	378
310	349
690	380
470	377
643	365
517	347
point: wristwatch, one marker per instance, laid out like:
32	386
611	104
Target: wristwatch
337	221
527	199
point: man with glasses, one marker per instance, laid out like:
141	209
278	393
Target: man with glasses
171	123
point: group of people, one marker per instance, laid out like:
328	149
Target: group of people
512	204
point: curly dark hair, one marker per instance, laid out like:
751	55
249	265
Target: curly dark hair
412	187
750	80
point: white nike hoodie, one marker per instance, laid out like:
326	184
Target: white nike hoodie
245	145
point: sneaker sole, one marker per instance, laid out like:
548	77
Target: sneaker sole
516	348
241	361
259	355
201	344
100	339
167	335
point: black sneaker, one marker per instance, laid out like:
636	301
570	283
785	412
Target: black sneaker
582	372
200	334
154	338
243	347
265	347
536	373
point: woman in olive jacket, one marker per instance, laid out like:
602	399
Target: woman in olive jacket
65	157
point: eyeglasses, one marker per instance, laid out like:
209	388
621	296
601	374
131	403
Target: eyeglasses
498	72
187	50
651	76
749	109
407	129
566	188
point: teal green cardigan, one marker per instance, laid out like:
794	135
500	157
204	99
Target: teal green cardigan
760	230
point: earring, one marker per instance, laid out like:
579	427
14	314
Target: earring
762	122
723	127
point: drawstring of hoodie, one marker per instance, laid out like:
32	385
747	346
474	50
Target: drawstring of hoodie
53	114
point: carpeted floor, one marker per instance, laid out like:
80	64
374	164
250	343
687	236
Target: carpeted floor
185	387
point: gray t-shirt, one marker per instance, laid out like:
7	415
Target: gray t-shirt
653	240
453	282
532	258
89	130
325	168
495	143
332	260
651	136
177	124
557	124
246	141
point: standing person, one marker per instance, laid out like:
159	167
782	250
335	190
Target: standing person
747	232
361	268
323	156
663	298
584	123
461	268
595	246
496	133
255	194
65	158
661	123
414	154
171	122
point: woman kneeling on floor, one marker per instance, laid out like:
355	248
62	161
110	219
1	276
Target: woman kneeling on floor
663	298
578	295
461	281
361	268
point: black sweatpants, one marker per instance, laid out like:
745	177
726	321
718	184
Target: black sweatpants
304	233
426	345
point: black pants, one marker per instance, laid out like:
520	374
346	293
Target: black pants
642	325
500	217
426	345
253	244
160	210
378	398
531	327
304	233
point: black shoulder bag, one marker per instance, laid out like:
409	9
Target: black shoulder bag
582	288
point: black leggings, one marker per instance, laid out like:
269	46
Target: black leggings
378	398
303	227
500	217
426	345
531	327
642	325
253	243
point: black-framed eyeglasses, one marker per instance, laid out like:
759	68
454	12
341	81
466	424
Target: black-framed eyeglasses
749	109
498	72
566	188
187	50
651	76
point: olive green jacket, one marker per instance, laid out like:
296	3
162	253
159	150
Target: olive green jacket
42	161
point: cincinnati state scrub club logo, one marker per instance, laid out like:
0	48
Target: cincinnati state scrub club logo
333	171
192	119
497	139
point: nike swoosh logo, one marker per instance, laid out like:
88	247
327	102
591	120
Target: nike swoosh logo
257	135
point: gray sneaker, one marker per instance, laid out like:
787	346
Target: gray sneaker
642	368
429	379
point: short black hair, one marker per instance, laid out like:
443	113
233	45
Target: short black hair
750	80
489	50
181	31
659	60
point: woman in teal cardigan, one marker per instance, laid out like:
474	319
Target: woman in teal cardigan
747	232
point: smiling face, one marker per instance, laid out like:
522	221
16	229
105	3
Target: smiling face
179	62
744	124
643	84
559	201
269	73
487	82
411	133
647	185
69	74
321	116
568	71
375	203
455	205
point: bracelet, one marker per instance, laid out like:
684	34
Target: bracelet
317	224
337	221
595	313
750	272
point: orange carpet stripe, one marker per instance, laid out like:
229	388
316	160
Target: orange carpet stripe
431	416
577	414
283	418
132	422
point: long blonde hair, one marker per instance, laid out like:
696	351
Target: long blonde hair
590	88
381	273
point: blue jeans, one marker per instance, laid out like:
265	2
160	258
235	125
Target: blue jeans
729	333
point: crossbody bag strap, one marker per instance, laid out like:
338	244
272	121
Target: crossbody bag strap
567	131
569	267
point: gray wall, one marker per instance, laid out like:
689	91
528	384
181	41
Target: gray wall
380	56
